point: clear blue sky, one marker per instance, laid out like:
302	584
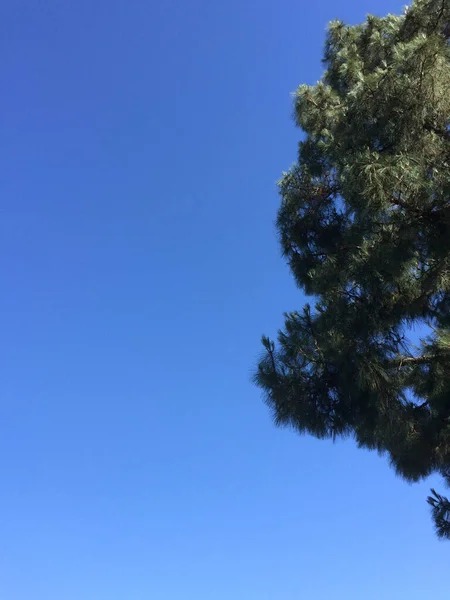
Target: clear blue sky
140	145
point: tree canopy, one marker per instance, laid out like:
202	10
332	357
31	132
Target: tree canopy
364	225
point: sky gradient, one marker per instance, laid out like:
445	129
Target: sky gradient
141	144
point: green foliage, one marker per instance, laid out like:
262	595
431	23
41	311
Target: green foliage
364	225
440	507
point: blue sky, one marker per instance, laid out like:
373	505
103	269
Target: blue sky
140	147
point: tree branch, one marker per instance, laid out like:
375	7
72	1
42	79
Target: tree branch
415	360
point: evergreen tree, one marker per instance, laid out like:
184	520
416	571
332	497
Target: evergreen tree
364	225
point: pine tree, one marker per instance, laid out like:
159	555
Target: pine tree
364	225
